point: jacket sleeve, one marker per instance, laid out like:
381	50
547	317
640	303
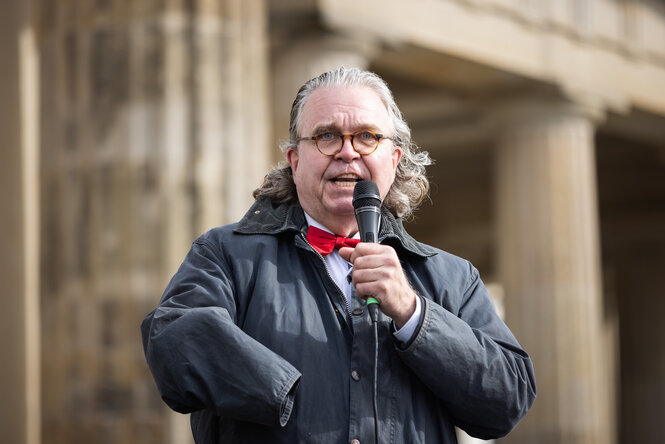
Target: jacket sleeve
201	359
472	363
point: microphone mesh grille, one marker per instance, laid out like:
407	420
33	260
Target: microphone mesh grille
366	193
366	202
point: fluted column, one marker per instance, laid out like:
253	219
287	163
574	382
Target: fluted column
231	125
216	124
549	263
156	132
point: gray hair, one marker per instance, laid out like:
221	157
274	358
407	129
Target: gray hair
410	186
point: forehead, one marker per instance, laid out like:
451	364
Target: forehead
345	108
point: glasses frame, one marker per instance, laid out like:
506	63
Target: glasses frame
379	138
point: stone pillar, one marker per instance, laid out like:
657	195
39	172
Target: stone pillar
298	63
156	132
19	226
549	264
216	124
231	124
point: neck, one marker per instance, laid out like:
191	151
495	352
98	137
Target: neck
343	228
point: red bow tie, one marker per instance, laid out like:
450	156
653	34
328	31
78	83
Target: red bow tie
325	242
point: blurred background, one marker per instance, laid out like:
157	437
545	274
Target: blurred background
129	127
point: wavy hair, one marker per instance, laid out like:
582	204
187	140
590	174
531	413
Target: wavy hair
410	186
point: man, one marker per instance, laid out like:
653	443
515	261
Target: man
264	335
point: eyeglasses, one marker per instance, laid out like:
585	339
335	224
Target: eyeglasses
363	142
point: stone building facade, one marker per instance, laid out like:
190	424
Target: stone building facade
130	127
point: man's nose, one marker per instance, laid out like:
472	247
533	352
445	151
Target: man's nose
347	153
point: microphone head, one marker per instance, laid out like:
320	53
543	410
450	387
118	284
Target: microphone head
366	194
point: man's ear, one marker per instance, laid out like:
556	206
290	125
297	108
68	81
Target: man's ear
293	158
397	155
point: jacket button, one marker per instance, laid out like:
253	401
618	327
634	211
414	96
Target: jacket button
357	311
355	441
355	376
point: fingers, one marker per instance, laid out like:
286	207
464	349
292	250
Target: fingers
368	256
345	253
377	272
377	261
361	250
377	282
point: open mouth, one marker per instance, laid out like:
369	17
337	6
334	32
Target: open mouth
347	180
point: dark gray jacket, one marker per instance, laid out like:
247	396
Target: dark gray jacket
254	338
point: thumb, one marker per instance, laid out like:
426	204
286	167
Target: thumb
345	253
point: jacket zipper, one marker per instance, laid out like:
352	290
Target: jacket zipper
346	301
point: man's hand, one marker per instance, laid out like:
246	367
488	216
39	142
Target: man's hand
377	272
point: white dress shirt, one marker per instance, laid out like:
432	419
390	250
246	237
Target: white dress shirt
340	270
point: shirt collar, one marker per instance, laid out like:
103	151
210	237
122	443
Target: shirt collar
314	223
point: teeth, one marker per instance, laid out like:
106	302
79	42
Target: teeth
347	176
346	180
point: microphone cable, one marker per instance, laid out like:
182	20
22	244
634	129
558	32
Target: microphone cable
373	308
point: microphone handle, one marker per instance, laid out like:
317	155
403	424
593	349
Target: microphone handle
368	221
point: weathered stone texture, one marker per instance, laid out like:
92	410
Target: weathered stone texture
129	88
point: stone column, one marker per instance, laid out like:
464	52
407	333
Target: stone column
549	263
216	124
298	63
156	132
231	122
20	409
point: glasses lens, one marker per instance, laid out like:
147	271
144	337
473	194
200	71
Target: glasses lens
365	142
328	143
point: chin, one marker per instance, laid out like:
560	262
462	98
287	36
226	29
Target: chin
342	208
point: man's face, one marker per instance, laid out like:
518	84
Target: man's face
325	183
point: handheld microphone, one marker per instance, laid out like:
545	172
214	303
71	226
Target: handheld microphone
367	206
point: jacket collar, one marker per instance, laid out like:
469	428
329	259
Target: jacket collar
266	217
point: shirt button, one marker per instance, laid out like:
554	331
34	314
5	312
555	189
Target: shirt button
357	311
355	376
355	441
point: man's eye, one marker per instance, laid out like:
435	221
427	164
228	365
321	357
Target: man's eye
326	136
366	136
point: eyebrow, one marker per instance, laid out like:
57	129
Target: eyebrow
334	128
